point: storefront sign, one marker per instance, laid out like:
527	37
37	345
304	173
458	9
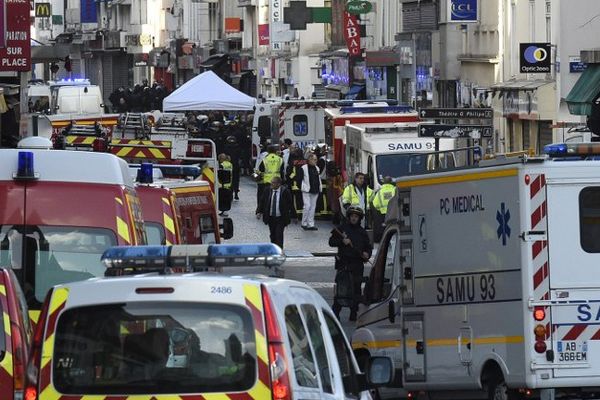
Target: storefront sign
43	10
382	58
140	60
263	34
357	7
576	65
535	58
462	11
88	12
16	55
2	23
352	34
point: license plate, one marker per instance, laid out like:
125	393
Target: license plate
571	351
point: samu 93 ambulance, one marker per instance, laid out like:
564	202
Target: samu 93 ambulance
486	280
387	149
59	211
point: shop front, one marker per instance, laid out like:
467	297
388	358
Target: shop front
528	113
381	75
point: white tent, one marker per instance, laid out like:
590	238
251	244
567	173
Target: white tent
207	92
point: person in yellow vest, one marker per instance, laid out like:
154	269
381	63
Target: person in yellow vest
270	167
225	175
380	202
358	194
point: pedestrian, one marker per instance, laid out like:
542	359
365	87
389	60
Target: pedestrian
380	202
311	187
234	151
285	153
354	249
270	167
277	210
225	177
357	193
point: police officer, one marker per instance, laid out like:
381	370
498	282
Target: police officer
381	199
357	194
354	249
225	180
270	167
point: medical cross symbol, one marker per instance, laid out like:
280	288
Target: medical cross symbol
297	15
503	216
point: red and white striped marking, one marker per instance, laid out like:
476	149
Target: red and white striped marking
539	248
578	332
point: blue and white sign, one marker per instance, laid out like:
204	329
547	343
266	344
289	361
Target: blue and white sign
462	11
576	65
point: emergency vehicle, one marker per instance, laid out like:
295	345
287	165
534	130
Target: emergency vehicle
192	199
386	149
56	104
485	282
148	331
59	211
297	119
16	337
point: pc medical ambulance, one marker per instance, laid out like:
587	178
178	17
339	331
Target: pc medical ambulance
387	149
59	211
486	283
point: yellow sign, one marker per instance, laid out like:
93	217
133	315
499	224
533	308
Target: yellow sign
43	10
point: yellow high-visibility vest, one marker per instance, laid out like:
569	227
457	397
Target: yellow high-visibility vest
273	165
227	166
383	197
350	196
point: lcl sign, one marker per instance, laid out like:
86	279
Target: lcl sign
462	11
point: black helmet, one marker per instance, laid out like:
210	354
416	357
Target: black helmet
355	210
231	140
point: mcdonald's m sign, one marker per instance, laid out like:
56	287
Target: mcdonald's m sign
43	10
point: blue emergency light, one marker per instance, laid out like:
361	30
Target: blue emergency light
25	168
556	150
126	260
588	151
144	173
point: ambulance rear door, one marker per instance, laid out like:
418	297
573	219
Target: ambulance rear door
571	274
300	125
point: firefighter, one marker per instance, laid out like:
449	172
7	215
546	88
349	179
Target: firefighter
381	198
357	193
270	167
354	249
234	151
225	181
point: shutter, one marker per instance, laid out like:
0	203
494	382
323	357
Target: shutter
108	84
419	16
320	91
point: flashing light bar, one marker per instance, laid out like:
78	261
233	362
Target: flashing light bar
572	149
192	171
124	260
377	110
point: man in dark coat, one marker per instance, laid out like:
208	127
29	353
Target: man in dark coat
276	209
354	249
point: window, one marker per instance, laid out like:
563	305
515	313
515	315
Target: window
22	306
207	229
388	273
53	255
382	275
589	219
300	123
155	233
316	338
399	165
344	356
151	348
304	365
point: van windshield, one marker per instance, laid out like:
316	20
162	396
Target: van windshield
53	255
155	233
150	348
399	165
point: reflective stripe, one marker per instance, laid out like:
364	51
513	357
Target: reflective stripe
122	225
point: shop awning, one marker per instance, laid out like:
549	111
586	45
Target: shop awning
520	85
585	91
214	61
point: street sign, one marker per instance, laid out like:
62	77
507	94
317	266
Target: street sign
456	113
455	131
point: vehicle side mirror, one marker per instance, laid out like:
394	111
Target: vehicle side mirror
380	372
392	311
227	228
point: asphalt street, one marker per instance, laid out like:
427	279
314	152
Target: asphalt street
299	246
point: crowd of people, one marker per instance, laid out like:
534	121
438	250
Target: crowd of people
142	98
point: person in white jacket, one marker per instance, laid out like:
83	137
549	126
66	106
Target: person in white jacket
310	185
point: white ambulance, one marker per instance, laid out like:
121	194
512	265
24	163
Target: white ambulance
486	281
388	149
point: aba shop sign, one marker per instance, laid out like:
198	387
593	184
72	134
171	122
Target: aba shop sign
352	34
16	54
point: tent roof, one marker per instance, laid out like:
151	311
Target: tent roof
207	92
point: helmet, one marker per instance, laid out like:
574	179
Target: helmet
231	140
355	210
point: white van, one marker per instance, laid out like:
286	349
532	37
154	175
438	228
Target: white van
76	99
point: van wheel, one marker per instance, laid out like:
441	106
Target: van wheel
498	390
